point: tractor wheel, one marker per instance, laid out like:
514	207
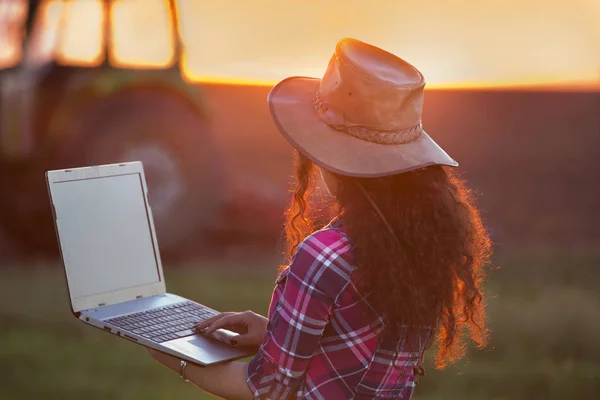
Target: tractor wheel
183	171
185	178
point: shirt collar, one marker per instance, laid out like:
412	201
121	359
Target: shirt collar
336	222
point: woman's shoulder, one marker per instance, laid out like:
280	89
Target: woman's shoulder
332	234
324	259
332	239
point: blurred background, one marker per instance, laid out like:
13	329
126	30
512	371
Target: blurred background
513	94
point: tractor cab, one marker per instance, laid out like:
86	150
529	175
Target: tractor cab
130	34
92	82
48	45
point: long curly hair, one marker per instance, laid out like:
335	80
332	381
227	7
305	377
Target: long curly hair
430	275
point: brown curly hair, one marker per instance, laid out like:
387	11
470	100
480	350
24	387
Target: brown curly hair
430	275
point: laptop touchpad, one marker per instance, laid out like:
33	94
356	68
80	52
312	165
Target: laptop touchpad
198	341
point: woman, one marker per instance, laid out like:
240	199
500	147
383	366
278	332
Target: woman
397	271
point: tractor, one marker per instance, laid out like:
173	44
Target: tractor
82	82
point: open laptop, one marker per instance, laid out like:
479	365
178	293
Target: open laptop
113	269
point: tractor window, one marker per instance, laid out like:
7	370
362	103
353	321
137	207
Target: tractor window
43	37
142	34
81	33
12	18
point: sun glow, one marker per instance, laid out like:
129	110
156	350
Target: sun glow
463	43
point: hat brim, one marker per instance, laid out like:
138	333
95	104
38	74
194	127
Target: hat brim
291	105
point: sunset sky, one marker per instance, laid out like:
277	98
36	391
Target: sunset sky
453	42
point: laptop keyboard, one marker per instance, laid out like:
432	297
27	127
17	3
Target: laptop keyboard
165	323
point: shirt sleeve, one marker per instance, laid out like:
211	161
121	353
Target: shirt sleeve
317	275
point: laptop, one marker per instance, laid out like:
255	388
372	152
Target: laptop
114	275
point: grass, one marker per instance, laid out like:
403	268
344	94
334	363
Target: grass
544	312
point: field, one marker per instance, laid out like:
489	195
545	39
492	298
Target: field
544	310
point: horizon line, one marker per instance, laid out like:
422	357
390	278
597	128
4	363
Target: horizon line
542	86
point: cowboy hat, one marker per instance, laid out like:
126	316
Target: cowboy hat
363	118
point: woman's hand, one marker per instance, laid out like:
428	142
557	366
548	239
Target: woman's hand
249	325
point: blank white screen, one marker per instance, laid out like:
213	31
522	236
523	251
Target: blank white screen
104	234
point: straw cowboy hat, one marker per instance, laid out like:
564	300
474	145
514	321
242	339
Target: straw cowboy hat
363	118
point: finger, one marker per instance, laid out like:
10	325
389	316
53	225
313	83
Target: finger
226	321
207	322
204	324
246	340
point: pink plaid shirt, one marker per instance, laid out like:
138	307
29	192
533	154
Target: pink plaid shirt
319	343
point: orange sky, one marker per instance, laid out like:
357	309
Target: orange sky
453	42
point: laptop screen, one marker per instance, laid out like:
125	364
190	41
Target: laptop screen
105	234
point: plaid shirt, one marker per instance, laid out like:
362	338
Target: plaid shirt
319	342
